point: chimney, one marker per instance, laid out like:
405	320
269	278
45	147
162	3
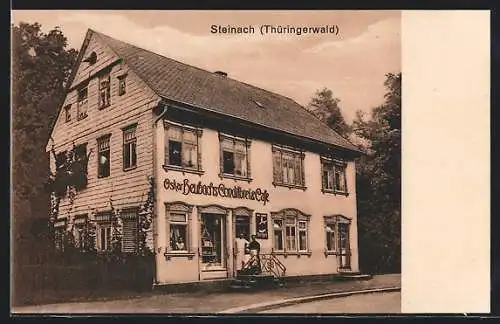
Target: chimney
221	73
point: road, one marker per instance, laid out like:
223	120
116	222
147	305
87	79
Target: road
387	303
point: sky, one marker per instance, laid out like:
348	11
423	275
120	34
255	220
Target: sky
352	64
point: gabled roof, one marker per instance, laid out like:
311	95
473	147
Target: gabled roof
190	85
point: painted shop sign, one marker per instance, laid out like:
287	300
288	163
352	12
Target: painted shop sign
219	190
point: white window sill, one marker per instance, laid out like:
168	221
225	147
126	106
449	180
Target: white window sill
335	192
182	169
297	253
168	255
235	177
289	186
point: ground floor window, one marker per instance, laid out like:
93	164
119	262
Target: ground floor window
212	239
178	231
178	227
104	236
290	229
337	230
130	229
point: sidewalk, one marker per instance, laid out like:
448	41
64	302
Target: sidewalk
203	302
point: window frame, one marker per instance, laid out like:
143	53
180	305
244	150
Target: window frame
335	221
331	165
298	156
103	220
82	158
129	142
130	214
122	84
246	142
82	102
104	78
179	208
67	113
297	218
99	151
198	132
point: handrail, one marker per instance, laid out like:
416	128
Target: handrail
268	263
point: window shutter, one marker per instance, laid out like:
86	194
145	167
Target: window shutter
248	145
277	171
130	230
199	132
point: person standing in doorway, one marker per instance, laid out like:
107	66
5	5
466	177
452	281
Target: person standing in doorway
241	245
254	248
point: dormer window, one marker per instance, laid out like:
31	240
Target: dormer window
82	103
104	91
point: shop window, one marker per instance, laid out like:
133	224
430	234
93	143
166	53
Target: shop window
290	228
178	232
178	226
130	229
288	167
234	155
129	147
104	91
82	103
67	113
122	85
182	149
333	176
104	155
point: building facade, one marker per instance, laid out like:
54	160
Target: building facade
222	158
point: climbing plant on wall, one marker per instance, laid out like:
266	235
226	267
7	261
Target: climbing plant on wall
146	219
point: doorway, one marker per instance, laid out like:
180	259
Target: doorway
344	248
213	242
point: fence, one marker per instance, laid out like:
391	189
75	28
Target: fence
63	276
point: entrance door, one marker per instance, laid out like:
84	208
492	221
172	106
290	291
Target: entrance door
241	228
344	249
213	242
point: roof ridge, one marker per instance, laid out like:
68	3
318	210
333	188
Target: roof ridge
193	66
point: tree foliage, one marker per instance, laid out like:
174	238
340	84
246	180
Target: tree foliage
379	182
326	107
41	66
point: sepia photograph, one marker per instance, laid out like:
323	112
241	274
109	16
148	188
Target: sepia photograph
206	162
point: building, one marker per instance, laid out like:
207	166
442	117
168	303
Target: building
221	156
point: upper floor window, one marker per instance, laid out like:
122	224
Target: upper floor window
291	230
80	166
129	147
333	176
104	163
122	84
234	156
67	113
288	167
82	103
104	91
182	149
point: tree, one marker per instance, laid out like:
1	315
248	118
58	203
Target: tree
41	66
379	182
326	107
